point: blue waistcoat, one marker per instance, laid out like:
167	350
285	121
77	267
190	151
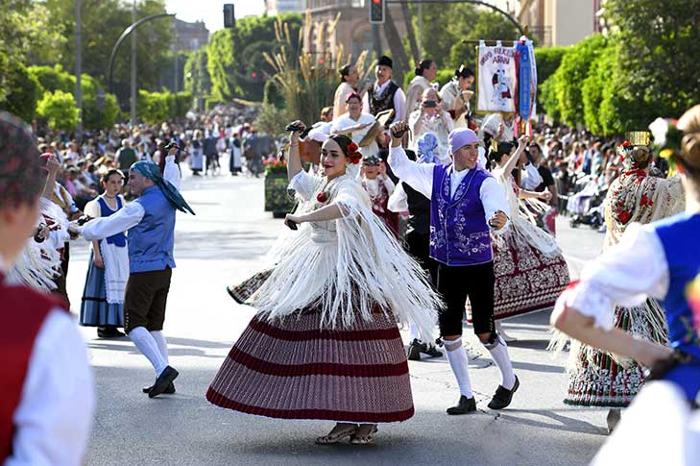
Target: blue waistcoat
459	235
151	241
119	240
679	238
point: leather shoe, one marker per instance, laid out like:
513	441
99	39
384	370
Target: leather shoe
465	406
164	379
503	396
415	348
168	391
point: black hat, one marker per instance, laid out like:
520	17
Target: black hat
385	61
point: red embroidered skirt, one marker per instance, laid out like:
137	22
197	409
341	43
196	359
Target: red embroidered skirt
291	369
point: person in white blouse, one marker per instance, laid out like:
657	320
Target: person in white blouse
467	204
456	94
348	81
425	75
659	260
47	389
358	125
431	117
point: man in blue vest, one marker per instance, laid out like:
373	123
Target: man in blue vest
150	222
467	205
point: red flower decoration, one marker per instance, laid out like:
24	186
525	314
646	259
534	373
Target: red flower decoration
626	144
624	216
352	147
353	155
645	201
322	197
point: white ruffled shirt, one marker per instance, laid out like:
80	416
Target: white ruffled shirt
420	177
625	275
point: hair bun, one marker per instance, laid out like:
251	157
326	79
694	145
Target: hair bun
689	123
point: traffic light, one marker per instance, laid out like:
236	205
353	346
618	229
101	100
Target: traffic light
229	16
376	11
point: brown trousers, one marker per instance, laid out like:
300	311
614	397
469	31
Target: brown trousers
145	299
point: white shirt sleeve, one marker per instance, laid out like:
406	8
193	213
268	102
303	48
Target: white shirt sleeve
104	227
400	105
493	198
365	101
92	209
304	185
624	275
171	172
58	398
418	175
531	177
398	201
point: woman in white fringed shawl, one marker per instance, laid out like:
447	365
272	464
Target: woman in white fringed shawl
325	342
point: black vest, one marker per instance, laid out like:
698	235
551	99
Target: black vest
386	102
419	211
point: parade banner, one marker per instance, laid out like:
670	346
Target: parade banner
497	79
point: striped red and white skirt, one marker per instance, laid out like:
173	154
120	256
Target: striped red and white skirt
292	369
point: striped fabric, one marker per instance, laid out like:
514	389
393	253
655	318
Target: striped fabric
95	311
293	370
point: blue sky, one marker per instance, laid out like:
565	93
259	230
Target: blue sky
211	11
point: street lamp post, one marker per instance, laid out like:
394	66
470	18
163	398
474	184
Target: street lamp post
133	67
78	67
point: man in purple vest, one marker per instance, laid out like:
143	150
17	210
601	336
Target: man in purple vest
467	205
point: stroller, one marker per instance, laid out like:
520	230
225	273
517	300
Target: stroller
586	203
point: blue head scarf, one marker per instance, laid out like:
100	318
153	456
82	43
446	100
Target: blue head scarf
427	148
152	171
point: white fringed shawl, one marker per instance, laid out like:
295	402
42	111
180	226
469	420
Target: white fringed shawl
345	267
39	264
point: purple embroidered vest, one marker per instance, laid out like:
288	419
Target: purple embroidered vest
459	235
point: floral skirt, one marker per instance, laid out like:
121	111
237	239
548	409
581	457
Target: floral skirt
598	379
527	280
293	369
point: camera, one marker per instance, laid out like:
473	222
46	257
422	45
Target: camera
294	127
430	104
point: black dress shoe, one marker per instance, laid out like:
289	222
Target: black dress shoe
164	379
109	332
415	348
168	391
503	396
465	406
432	351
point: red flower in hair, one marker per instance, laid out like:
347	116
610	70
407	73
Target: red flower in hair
353	155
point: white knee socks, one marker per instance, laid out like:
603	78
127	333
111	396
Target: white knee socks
499	353
162	345
145	342
459	363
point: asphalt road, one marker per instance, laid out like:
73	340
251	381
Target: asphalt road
223	244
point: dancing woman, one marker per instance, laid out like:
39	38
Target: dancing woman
657	260
530	268
325	343
598	377
105	283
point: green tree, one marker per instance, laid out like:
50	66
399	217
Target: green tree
658	59
548	60
488	25
23	91
235	58
59	110
96	114
549	99
596	85
571	74
196	75
103	21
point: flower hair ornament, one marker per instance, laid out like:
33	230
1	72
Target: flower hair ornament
667	138
635	141
353	155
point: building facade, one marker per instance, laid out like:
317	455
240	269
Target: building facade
273	7
190	36
560	22
352	30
